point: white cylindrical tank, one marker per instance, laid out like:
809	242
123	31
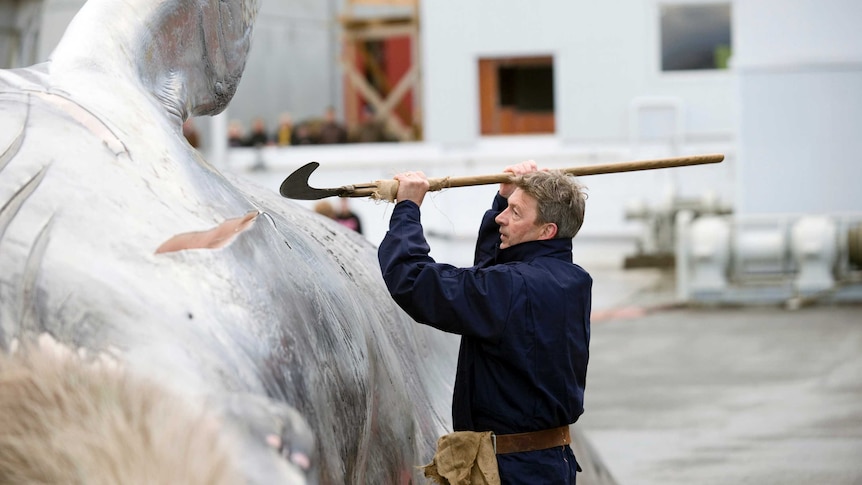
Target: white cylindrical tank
814	246
761	249
710	254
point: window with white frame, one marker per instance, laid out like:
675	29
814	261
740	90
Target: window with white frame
695	36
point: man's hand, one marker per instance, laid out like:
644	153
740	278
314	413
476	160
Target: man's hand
518	169
412	186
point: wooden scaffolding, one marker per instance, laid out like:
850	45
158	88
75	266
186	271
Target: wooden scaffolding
380	62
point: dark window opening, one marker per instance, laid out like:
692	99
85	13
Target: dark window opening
527	88
695	37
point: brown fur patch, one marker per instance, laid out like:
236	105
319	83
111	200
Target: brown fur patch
66	421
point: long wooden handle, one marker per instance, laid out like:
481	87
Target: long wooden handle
387	189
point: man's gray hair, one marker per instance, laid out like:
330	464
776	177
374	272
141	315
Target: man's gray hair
560	199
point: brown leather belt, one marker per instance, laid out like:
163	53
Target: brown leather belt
536	440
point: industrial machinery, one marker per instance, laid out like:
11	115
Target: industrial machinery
769	258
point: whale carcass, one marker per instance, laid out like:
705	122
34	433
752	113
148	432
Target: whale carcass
131	263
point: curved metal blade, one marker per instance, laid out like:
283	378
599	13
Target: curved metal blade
295	186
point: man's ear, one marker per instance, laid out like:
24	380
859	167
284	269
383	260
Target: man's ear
549	231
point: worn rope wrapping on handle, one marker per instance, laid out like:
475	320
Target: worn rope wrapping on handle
388	189
438	184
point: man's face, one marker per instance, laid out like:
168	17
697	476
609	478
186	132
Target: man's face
518	221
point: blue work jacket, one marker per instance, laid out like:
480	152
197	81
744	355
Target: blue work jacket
524	316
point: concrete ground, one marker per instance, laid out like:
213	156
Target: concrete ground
753	395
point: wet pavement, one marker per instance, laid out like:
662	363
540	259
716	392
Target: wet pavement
708	395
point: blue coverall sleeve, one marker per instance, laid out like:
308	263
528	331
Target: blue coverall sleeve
465	301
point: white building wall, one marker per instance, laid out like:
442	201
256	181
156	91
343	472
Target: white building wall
799	64
605	55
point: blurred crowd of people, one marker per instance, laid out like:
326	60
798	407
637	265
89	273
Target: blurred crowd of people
342	215
322	131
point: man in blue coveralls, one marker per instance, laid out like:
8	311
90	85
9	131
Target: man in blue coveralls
523	311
